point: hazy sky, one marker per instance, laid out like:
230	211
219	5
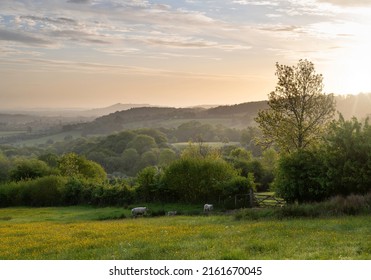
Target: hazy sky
94	53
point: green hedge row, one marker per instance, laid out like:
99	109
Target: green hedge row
56	190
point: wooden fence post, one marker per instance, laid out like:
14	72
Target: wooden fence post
251	195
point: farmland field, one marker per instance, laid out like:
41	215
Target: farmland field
103	233
11	132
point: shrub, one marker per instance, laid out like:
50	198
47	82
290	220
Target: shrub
10	194
350	205
45	191
348	157
26	169
197	180
73	165
336	206
73	190
300	177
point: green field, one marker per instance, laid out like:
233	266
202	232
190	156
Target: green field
11	132
53	137
101	233
182	145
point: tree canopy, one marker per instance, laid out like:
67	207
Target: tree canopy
298	109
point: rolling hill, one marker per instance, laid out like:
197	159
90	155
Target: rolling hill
133	116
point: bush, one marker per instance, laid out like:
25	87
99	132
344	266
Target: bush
300	177
73	165
45	191
348	157
350	205
57	190
26	169
10	194
111	195
197	180
73	191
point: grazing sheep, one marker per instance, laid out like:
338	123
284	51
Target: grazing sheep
171	213
139	211
208	207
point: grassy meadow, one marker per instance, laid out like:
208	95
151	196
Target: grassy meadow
109	233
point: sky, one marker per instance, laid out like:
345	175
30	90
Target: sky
95	53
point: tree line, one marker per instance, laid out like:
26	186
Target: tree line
199	174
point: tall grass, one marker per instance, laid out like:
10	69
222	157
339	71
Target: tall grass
336	206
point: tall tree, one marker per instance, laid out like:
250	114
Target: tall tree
298	109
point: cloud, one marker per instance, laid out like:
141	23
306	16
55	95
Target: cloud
255	3
79	1
78	36
348	3
178	42
59	20
278	28
21	37
6	51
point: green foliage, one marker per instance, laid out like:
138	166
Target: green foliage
5	167
81	191
238	185
142	143
149	186
130	157
348	157
261	168
10	194
166	157
45	191
159	137
200	151
298	110
72	165
241	153
50	159
335	206
26	169
57	190
197	180
149	158
110	195
248	140
300	177
117	142
340	166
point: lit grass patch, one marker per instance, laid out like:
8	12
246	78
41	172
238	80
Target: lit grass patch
75	233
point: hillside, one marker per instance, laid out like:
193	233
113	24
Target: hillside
233	116
97	112
236	116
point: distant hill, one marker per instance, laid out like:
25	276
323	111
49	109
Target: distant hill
97	112
250	108
73	112
118	117
233	116
237	116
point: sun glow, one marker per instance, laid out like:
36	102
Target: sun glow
354	75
